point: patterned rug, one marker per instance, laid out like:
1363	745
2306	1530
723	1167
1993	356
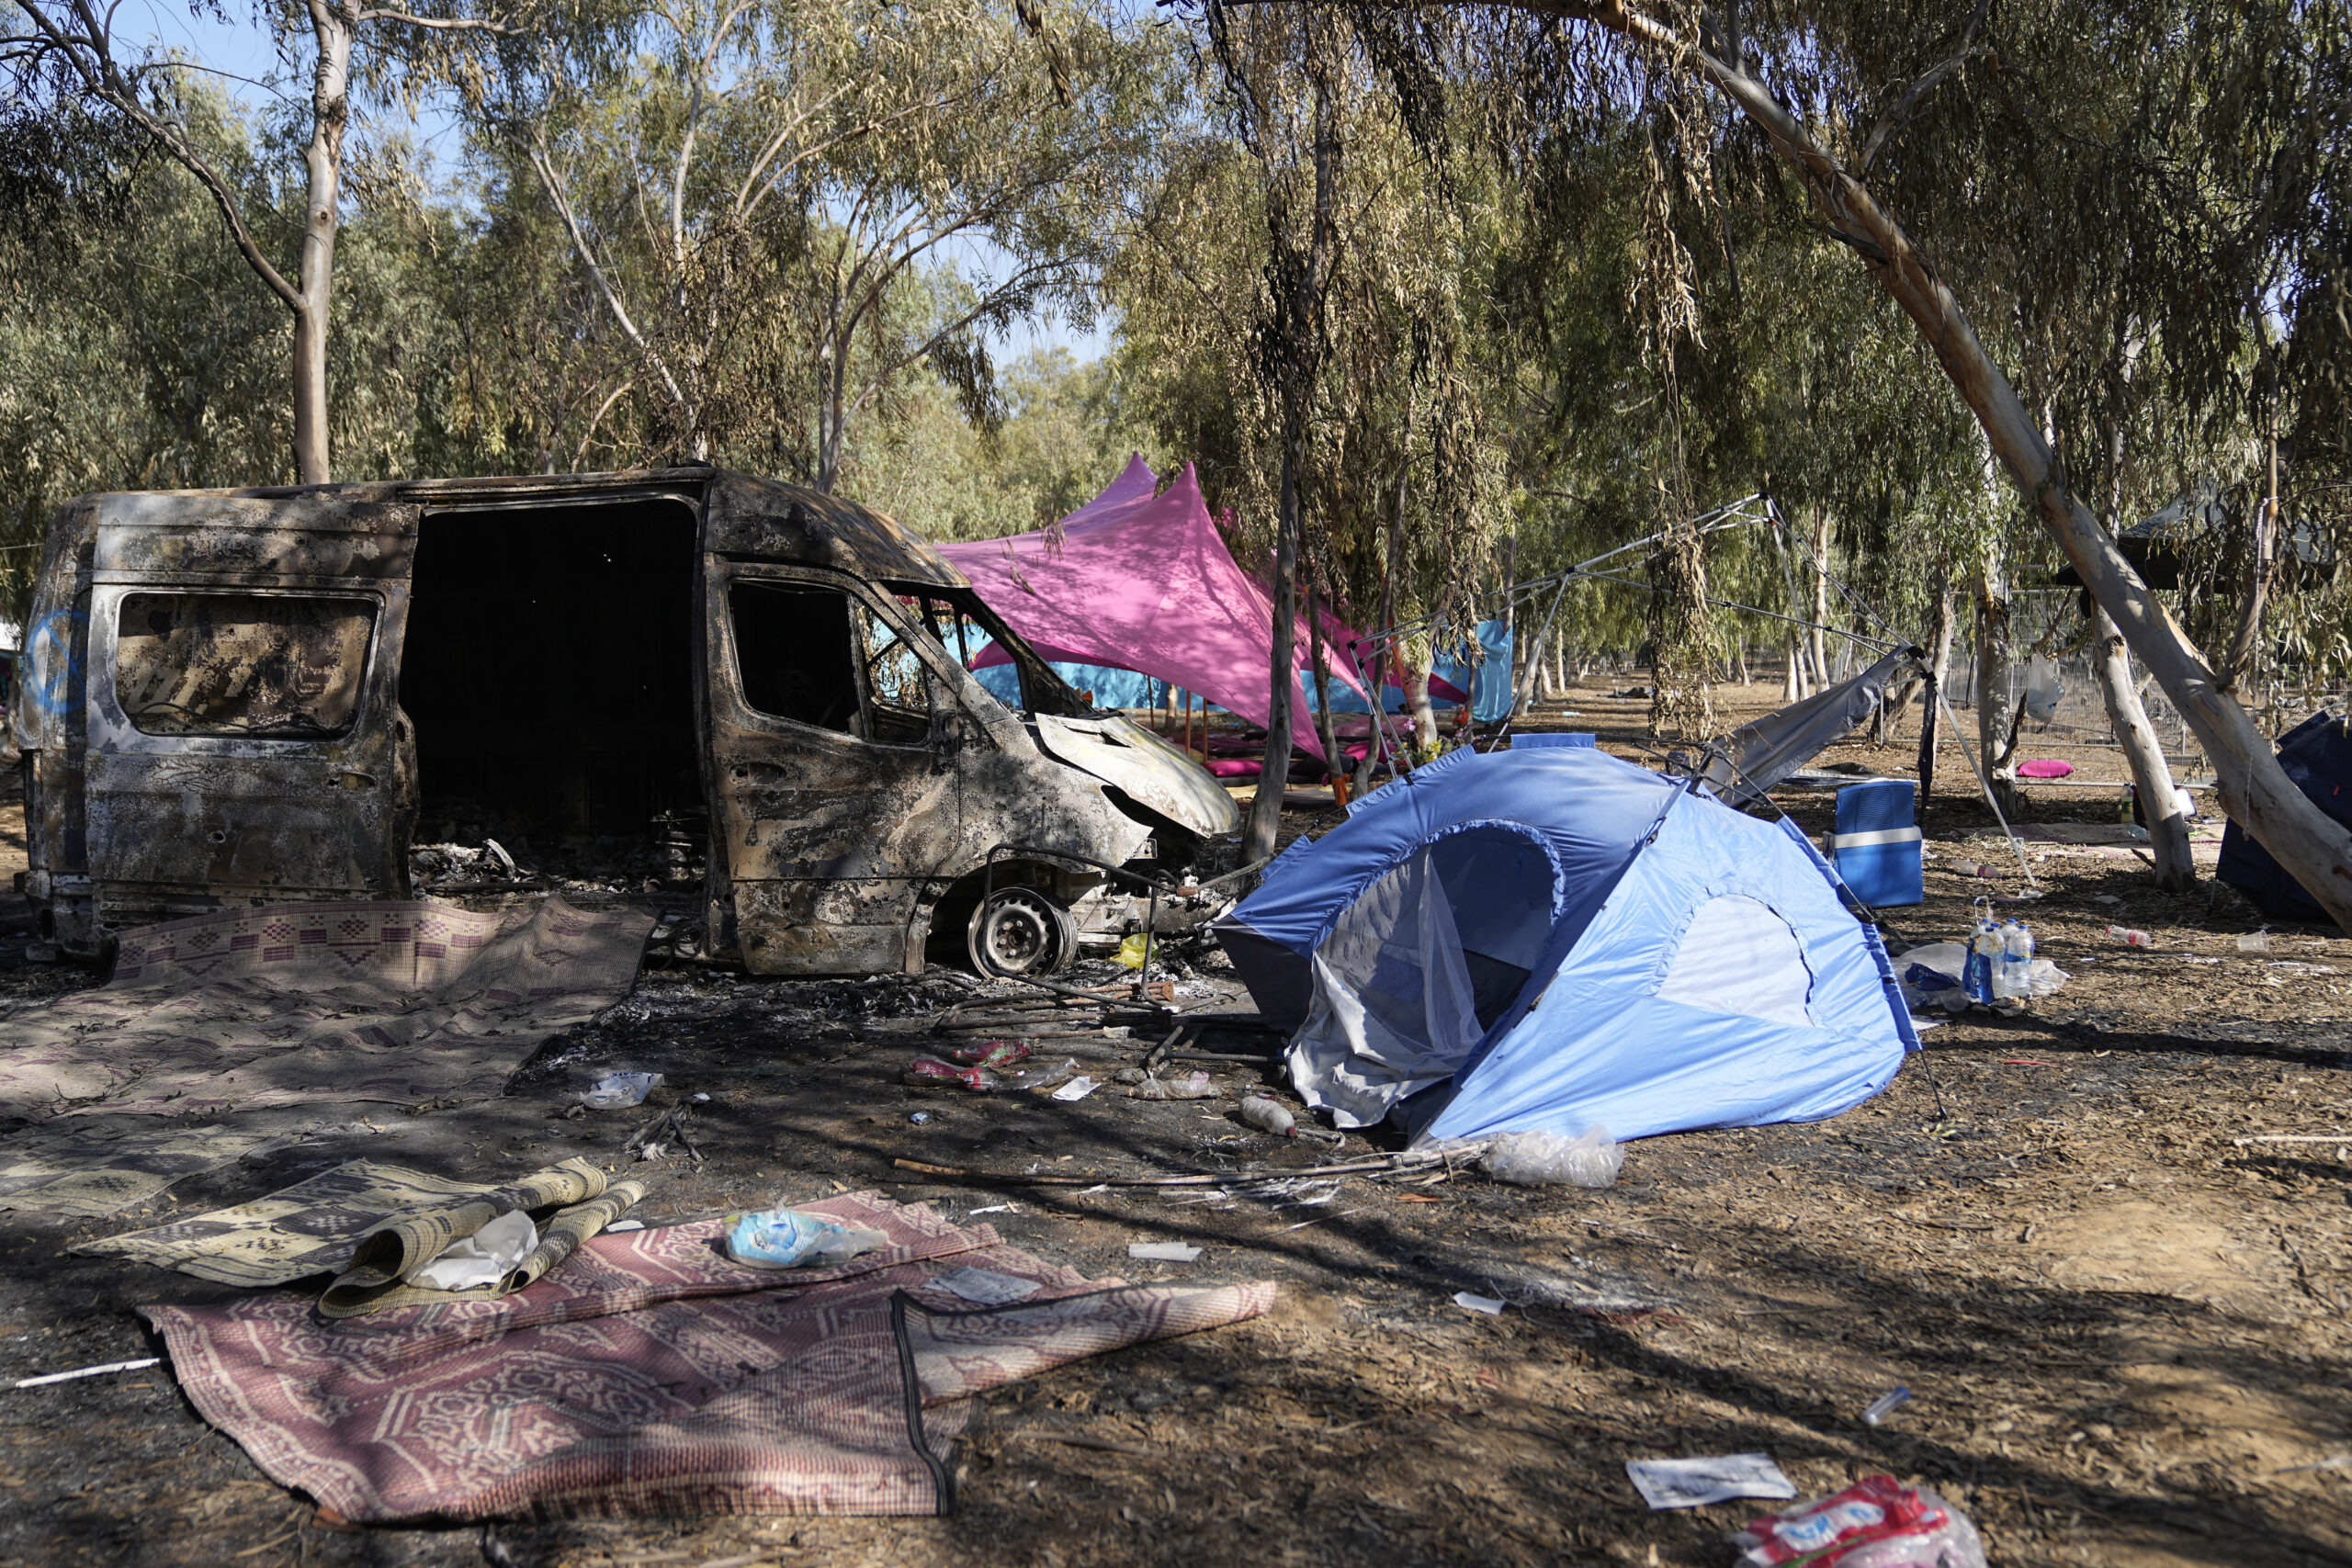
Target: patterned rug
652	1375
317	1227
304	1003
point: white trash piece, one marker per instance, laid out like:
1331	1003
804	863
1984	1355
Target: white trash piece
483	1258
1077	1089
1547	1159
1163	1251
1717	1478
987	1287
618	1091
1491	1305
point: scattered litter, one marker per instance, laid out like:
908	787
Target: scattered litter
624	1225
993	1209
1268	1116
2129	937
1716	1478
1075	1089
930	1072
137	1366
2111	898
1492	1306
1163	1251
788	1239
1932	976
987	1287
920	1118
1875	1523
992	1053
699	1099
1879	1409
1185	1085
1547	1159
618	1091
1131	951
483	1258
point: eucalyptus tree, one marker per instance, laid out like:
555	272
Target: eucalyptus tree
2216	149
784	206
61	51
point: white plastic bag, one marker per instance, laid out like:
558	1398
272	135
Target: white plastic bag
483	1258
1547	1159
618	1091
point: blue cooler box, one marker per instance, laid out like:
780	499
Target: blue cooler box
1567	738
1876	847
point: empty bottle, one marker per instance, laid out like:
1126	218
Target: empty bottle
1983	956
2013	975
2131	937
1269	1117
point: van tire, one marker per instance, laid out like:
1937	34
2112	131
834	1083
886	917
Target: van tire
1020	931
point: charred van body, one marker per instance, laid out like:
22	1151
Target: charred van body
237	697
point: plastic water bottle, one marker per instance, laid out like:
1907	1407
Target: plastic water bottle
2131	937
2013	976
1983	956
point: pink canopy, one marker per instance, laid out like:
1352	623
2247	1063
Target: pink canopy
1145	582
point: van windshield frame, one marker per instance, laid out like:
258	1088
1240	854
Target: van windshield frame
928	604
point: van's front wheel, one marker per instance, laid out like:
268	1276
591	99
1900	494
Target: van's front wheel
1018	930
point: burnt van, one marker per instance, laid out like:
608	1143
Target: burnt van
238	697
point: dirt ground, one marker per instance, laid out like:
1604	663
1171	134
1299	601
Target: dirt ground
2122	1325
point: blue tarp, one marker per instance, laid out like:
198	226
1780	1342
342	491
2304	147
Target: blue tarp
1489	683
1554	939
1112	688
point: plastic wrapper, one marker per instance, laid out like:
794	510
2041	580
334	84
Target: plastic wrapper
786	1238
618	1091
1183	1086
1592	1159
481	1258
930	1072
1876	1523
995	1053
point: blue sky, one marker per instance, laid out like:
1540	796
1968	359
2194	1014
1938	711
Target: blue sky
241	56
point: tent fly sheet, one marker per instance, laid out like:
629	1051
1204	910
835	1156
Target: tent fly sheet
1558	939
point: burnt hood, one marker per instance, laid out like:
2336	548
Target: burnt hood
1147	769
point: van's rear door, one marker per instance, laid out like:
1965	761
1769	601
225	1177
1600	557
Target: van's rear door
245	738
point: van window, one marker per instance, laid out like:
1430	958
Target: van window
792	653
282	666
816	655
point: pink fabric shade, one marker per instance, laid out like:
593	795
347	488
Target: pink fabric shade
1145	582
2045	768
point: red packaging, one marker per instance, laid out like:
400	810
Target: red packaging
994	1052
1820	1533
932	1073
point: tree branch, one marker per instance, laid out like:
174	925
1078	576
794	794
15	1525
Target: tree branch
441	24
1894	117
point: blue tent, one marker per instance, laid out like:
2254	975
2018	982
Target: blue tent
2316	755
1554	939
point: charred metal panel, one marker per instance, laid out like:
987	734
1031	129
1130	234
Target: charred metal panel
320	537
1151	772
785	523
837	840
